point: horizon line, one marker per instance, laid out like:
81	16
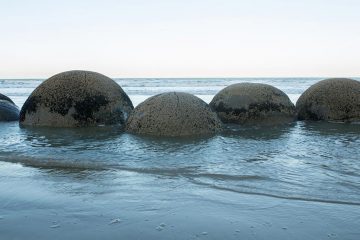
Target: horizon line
296	77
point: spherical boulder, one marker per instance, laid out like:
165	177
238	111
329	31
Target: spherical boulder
76	99
253	103
8	110
336	99
173	114
6	98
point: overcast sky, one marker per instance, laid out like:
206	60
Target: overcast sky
180	38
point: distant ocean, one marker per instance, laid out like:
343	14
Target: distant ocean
298	181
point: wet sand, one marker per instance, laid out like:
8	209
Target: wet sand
62	204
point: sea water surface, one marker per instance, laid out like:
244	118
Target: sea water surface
296	181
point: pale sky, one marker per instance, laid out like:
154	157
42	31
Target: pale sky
180	38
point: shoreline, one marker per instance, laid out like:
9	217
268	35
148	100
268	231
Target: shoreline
75	205
151	213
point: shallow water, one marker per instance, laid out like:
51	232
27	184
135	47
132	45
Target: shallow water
295	181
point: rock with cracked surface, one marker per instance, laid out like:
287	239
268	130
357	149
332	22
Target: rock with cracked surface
336	99
253	103
173	114
76	99
8	110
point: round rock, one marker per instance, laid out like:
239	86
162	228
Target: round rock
5	98
336	99
8	110
173	114
76	99
253	103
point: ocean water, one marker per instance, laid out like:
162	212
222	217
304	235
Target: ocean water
297	181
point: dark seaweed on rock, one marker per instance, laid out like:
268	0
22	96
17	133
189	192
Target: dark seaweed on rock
63	106
86	108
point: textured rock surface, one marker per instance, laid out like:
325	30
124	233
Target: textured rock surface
75	99
8	110
173	114
336	99
253	103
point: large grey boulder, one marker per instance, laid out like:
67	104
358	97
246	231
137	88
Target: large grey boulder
336	99
173	114
76	99
8	110
253	103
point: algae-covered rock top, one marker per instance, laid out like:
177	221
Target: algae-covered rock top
76	98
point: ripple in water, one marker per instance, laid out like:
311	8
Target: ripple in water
303	161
